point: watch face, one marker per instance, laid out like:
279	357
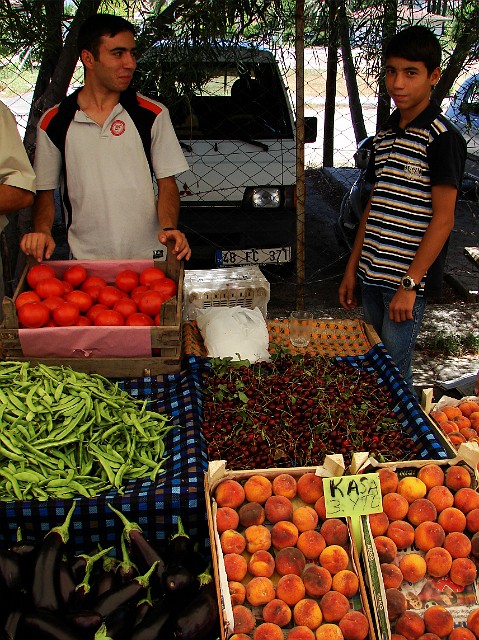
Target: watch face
407	282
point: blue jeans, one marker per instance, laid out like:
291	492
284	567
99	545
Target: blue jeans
399	338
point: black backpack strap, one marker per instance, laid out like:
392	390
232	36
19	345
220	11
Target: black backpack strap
143	118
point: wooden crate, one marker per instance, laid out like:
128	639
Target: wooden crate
166	339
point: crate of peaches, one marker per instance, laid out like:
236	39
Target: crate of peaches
421	551
283	569
457	419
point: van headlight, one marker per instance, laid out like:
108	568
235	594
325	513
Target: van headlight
268	197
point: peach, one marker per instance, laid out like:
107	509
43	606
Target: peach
472	521
277	612
305	518
463	571
378	523
397	636
229	493
401	533
334	606
473	622
466	499
251	513
428	535
284	485
300	633
458	545
461	633
396	603
475	545
411	488
226	518
237	592
311	543
441	497
354	626
346	582
232	541
244	620
438	620
261	563
421	510
284	534
413	567
466	407
457	477
452	519
240	636
335	531
320	508
268	631
392	575
236	567
429	636
317	580
290	560
259	591
257	537
395	506
334	558
388	480
310	487
258	489
438	562
278	508
291	589
410	625
431	474
328	631
307	613
385	548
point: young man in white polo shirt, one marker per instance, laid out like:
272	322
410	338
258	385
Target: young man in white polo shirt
101	145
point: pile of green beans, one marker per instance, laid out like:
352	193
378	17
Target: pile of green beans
65	434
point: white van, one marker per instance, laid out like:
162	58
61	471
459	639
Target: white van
463	110
233	117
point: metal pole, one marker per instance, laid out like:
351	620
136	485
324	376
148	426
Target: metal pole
300	191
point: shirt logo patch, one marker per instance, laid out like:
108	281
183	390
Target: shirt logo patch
413	171
117	127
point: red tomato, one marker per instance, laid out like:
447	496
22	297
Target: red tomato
139	320
51	323
26	296
95	310
92	281
50	287
33	315
93	291
150	303
158	320
67	286
66	314
138	292
81	299
109	318
109	295
83	321
166	286
75	275
127	280
53	302
126	306
150	274
38	272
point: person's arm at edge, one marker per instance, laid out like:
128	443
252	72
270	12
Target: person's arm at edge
40	243
168	215
14	198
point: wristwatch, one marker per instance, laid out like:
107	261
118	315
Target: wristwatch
408	283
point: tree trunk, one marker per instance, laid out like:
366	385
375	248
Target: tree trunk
389	29
330	103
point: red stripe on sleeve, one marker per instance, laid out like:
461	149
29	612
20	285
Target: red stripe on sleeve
147	104
47	118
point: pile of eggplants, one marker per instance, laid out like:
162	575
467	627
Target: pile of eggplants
146	594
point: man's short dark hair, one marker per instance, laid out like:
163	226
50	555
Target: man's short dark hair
97	26
416	43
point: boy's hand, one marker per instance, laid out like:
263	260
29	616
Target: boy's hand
347	292
402	305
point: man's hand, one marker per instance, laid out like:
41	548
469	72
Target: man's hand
347	292
38	245
181	248
402	305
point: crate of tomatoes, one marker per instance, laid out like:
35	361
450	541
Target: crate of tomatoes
120	318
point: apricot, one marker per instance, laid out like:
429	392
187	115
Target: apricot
259	591
466	499
291	589
395	506
401	533
441	497
472	521
438	562
236	567
268	631
392	575
385	548
396	603
335	531
307	613
463	571
461	633
458	545
334	558
438	620
278	508
232	541
284	485
413	567
388	480
317	580
258	489
457	477
473	622
284	534
277	612
257	537
320	508
378	523
328	631
244	620
354	626
251	513
334	606
452	519
237	592
229	493
226	518
305	518
346	582
290	560
411	488
432	475
311	543
410	625
261	563
310	487
421	510
300	633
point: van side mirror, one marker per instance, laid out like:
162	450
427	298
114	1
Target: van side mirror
310	129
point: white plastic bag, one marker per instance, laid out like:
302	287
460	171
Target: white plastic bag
234	332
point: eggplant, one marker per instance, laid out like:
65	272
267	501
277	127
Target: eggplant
154	623
82	590
126	569
178	580
119	623
88	622
10	571
182	548
11	624
66	582
143	607
41	624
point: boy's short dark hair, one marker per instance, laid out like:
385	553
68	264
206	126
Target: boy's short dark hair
416	43
97	26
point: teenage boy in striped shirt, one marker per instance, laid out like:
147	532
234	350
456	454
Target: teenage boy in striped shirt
416	169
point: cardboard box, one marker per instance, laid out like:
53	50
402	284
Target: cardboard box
333	466
111	351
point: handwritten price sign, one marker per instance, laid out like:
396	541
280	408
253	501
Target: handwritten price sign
352	496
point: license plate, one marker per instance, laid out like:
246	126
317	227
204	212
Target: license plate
243	257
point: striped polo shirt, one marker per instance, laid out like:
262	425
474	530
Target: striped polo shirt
404	165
